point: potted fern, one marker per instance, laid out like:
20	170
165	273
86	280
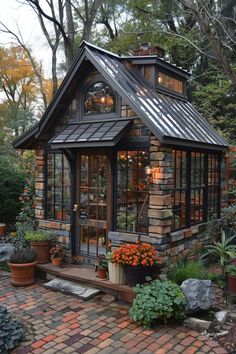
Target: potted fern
40	240
22	264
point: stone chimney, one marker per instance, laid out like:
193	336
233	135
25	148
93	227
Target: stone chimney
146	49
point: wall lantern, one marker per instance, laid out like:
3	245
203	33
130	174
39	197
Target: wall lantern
153	174
148	171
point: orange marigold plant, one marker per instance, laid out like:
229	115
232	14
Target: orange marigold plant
135	255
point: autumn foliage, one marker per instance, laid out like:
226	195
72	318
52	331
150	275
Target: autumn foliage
135	255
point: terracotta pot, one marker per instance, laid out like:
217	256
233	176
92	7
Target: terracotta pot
231	283
102	273
2	229
22	274
56	261
42	250
137	275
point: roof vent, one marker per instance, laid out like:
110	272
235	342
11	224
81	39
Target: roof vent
146	49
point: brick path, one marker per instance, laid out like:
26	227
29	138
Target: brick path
58	323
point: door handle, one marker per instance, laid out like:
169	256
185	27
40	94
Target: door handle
75	207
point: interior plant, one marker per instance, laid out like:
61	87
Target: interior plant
138	261
186	269
40	240
157	300
57	254
22	264
115	271
231	278
222	251
11	331
101	267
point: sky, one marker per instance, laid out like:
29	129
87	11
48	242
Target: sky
14	15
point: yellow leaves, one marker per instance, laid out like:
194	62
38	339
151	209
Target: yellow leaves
48	89
16	73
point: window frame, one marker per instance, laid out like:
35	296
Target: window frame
97	116
165	89
204	206
54	203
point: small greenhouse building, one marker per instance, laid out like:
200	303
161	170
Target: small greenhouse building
122	155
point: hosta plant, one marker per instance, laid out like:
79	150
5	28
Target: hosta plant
11	331
157	300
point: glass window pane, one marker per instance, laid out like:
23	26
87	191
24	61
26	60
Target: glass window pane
170	82
132	191
99	99
58	183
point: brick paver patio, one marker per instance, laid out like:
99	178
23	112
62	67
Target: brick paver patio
58	323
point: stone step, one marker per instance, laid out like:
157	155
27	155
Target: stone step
85	276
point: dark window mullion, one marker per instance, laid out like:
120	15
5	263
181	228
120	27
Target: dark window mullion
188	189
126	194
62	188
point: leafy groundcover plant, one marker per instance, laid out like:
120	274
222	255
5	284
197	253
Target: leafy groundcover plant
157	300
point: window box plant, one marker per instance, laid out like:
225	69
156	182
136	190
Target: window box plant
115	271
57	254
40	241
231	278
22	264
102	267
139	261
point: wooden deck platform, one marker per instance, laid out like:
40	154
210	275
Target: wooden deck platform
86	276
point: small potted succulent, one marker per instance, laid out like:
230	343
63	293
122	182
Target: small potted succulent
231	278
57	254
40	240
22	264
102	267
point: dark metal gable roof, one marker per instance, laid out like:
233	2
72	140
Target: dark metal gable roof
165	116
171	120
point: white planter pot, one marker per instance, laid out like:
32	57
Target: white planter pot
116	273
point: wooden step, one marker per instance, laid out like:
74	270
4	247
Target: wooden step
87	276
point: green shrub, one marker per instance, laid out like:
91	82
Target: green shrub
17	240
11	331
187	270
157	300
12	180
38	236
231	269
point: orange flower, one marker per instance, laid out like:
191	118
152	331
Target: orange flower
135	254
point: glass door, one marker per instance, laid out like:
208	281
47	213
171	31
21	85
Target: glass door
92	204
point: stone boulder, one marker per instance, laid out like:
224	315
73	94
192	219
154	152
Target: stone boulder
197	324
6	249
200	294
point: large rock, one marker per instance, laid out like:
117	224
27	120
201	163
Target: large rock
200	294
6	250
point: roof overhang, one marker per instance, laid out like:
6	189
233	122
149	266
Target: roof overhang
91	134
